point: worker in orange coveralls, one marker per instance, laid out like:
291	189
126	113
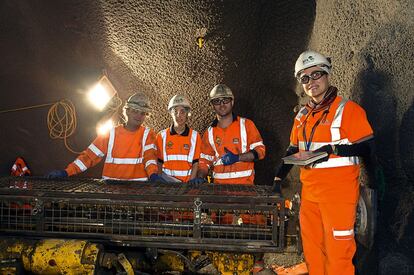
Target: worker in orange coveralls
178	146
230	147
231	144
129	150
330	187
19	168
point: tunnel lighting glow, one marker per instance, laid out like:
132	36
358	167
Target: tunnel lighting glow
101	93
104	127
99	97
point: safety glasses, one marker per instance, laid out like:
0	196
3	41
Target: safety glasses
304	79
219	101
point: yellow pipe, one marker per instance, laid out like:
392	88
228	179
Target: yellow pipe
53	256
126	264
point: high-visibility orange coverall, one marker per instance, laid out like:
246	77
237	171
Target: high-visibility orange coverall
178	152
239	137
20	168
127	155
330	189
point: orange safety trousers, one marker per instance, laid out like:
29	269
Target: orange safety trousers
328	237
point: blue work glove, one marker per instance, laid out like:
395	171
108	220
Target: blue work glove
156	178
57	174
326	148
229	158
197	181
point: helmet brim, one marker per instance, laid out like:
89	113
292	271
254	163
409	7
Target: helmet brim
137	107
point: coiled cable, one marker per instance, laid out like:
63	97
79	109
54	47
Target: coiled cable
61	121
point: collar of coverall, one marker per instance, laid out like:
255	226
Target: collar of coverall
185	133
215	121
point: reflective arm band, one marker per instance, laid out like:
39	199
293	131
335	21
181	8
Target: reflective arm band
150	146
150	162
207	157
80	164
96	150
254	145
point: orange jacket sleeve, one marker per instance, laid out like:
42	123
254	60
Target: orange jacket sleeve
198	148
159	147
294	138
254	139
89	157
150	154
355	123
207	154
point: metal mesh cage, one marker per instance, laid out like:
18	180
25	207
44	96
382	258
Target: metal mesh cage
219	217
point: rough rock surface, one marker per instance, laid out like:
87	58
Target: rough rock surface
371	48
54	50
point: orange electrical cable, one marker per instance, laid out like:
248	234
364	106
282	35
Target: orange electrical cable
61	118
61	121
25	108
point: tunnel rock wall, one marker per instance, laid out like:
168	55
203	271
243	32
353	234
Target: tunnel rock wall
371	44
58	49
151	47
55	50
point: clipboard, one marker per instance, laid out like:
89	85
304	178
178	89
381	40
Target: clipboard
304	158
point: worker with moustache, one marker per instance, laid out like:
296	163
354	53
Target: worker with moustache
330	188
129	150
178	146
231	144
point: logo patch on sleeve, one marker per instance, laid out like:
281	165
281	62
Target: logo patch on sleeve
218	141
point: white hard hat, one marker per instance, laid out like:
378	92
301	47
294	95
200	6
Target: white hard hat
179	100
311	58
221	90
139	101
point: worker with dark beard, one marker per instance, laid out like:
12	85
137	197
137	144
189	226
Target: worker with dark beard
231	144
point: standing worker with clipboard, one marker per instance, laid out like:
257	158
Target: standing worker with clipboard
330	186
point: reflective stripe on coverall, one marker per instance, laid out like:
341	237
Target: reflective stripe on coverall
178	153
129	155
239	137
330	190
20	168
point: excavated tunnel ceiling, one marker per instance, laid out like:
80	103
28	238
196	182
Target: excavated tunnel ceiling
58	50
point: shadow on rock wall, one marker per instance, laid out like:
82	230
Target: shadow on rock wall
376	97
405	228
262	42
379	100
